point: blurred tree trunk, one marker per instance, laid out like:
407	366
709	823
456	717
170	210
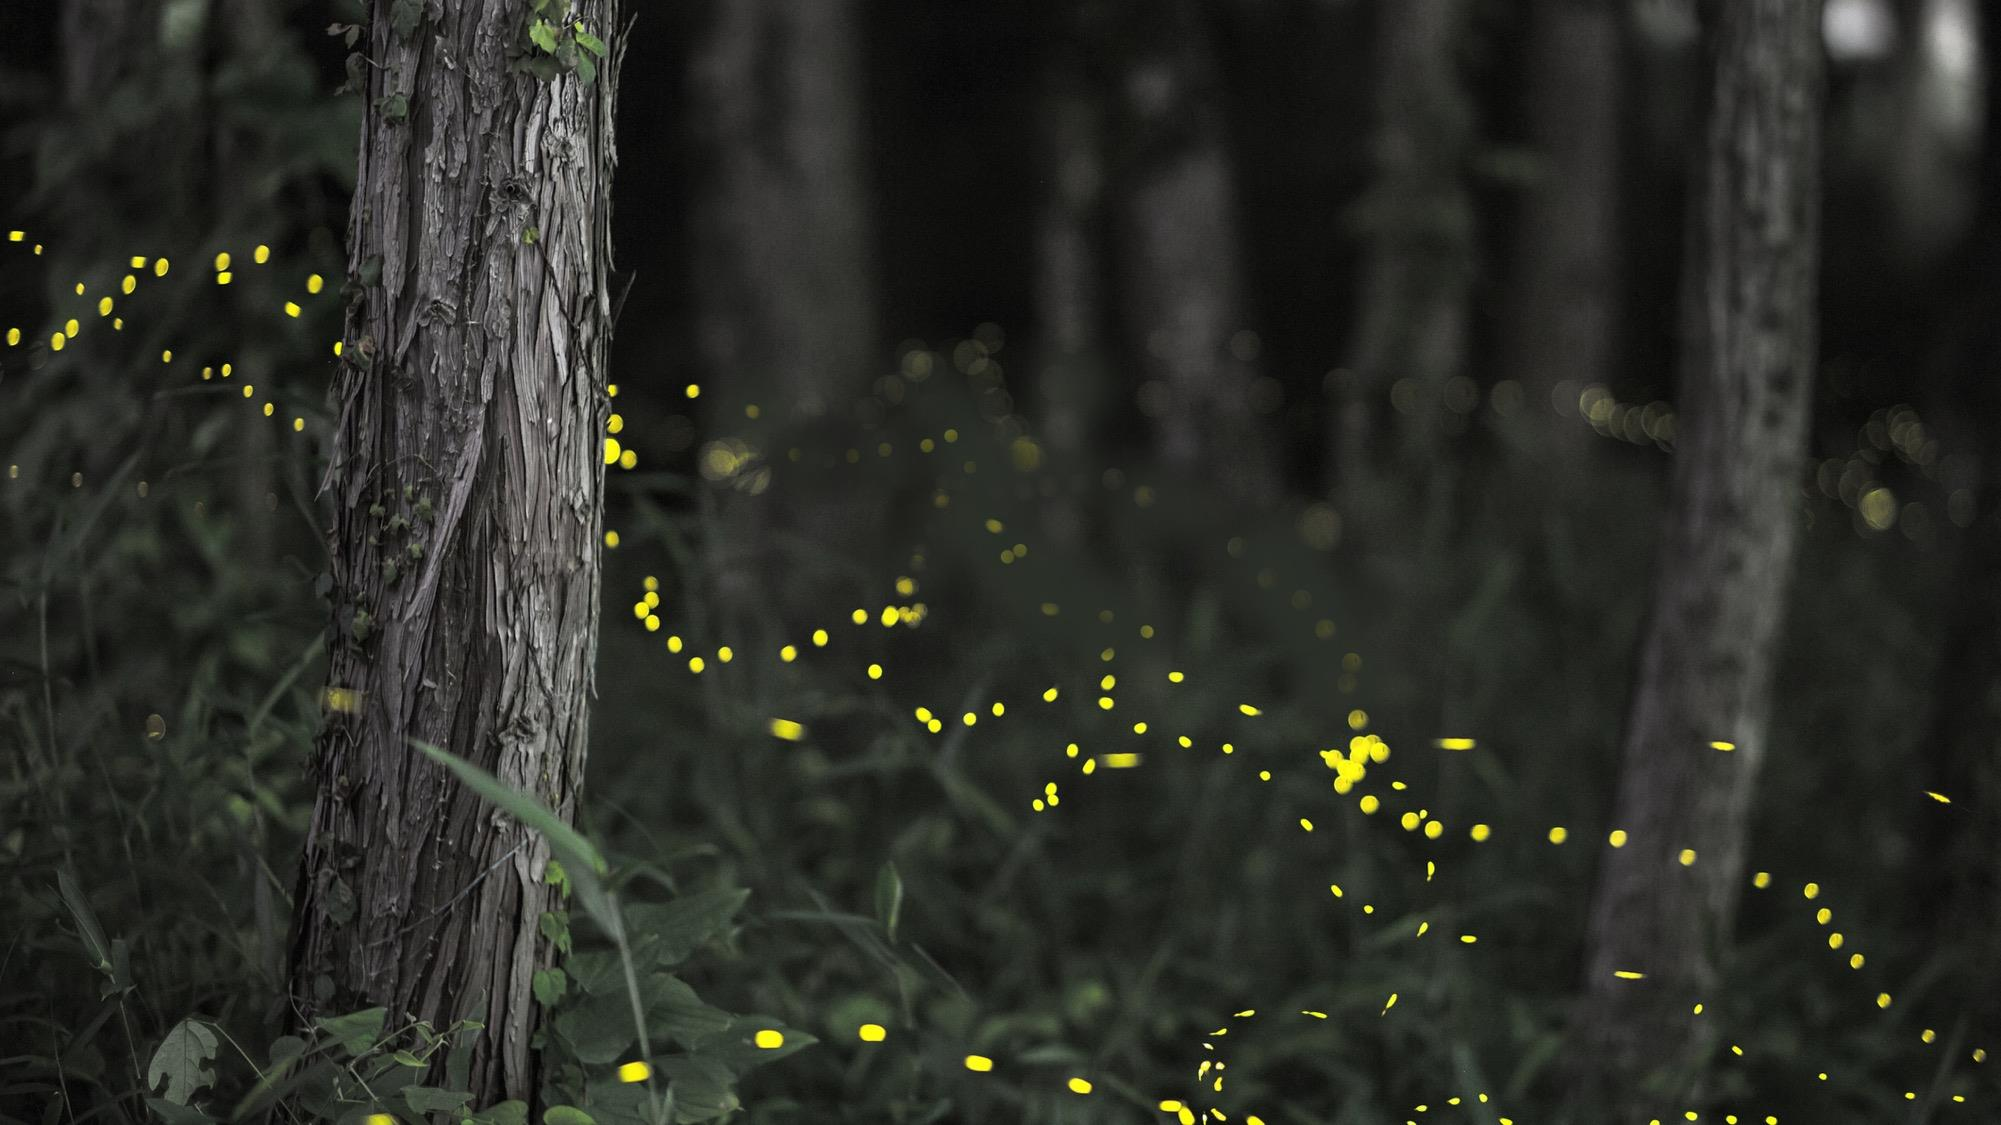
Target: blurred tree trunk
783	274
1417	222
1178	253
465	491
1069	249
785	293
102	42
1958	887
1723	567
1561	317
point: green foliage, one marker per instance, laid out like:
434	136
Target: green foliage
550	47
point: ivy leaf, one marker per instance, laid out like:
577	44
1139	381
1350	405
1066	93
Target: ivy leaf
393	107
404	16
587	71
566	1115
356	1032
598	1030
182	1060
550	984
671	932
543	35
590	42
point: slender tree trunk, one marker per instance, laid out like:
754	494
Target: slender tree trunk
1559	329
1069	256
1178	254
1723	569
1410	331
465	495
785	288
784	277
1957	888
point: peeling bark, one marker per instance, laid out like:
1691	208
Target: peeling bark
465	494
1724	564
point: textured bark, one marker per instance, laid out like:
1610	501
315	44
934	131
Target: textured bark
471	400
1723	569
1178	253
1559	327
1417	221
784	290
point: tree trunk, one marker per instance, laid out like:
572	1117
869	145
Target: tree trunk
783	281
1706	660
1069	256
785	289
1417	219
1561	320
465	495
1178	255
1957	889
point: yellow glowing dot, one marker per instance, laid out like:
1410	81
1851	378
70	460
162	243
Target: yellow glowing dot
770	1039
1121	761
786	729
1079	1086
635	1072
674	643
1687	857
1105	703
1939	797
1433	829
970	718
1762	880
292	308
1410	821
129	286
1455	744
57	341
1823	916
696	664
1628	974
1856	961
628	459
1617	839
979	1064
1698	1009
224	278
872	1033
1306	824
1336	888
819	638
1357	719
1249	710
1049	696
1480	832
160	268
262	254
337	347
167	356
315	283
1468	939
875	671
1882	999
788	654
1175	677
13	337
249	389
1928	1035
1185	742
268	409
653	623
611	451
694	391
1726	747
71	328
1139	728
1370	803
1559	834
611	539
1169	1105
1264	775
1811	890
104	307
222	261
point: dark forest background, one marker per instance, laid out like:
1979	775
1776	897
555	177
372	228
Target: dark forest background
1323	350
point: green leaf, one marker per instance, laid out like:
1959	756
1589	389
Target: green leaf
94	945
550	984
596	972
505	1113
182	1060
566	1115
599	1029
703	1089
393	107
404	16
669	933
174	1114
570	847
590	42
543	35
587	71
673	1009
423	1100
356	1032
555	925
888	898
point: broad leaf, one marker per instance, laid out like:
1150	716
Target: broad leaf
356	1032
182	1061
